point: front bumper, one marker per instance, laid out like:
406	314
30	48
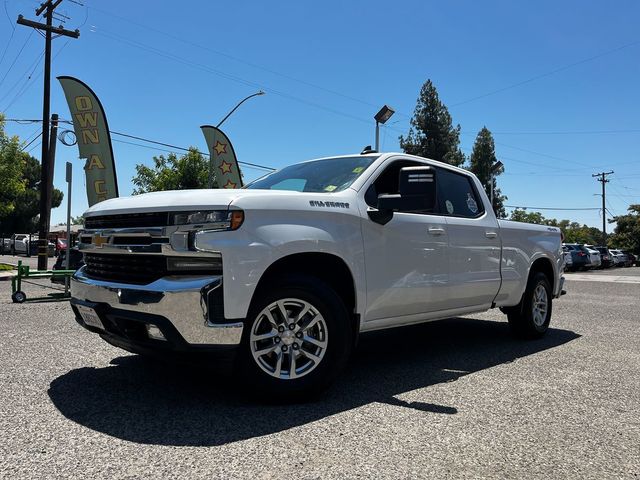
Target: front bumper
186	309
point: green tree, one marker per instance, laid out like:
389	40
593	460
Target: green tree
482	160
12	161
187	172
573	232
24	218
519	215
20	192
432	134
79	220
627	232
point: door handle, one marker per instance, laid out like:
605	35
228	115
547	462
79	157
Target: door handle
436	230
491	234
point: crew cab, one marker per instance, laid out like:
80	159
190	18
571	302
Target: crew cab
286	273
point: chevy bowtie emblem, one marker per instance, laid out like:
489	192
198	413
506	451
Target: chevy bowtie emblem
98	240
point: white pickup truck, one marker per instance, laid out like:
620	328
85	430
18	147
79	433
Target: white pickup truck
287	272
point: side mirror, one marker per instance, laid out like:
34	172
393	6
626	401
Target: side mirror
417	187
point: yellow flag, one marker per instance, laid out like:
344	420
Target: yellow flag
223	159
94	141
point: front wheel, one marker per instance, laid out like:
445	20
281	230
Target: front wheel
297	339
531	317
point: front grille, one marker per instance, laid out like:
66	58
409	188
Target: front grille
137	269
128	220
141	269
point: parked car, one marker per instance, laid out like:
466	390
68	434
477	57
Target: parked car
568	261
621	259
633	260
594	256
20	242
581	260
606	257
6	245
75	262
61	244
33	248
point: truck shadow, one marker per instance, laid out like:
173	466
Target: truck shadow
148	402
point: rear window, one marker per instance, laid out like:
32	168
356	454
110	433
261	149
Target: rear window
456	195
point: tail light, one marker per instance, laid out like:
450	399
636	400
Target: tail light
582	254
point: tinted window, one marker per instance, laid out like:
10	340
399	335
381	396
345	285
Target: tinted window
388	181
456	195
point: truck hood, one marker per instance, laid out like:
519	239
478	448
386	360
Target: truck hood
175	200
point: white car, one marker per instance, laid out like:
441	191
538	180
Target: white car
21	242
594	257
287	272
568	261
620	258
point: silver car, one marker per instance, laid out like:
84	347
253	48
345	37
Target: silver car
594	256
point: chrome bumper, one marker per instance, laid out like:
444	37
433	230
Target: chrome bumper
181	300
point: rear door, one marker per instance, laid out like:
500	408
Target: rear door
474	241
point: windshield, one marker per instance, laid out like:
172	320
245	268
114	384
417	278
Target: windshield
329	175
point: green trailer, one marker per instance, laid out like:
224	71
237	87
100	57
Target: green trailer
25	275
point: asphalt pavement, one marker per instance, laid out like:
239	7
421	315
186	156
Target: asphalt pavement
452	399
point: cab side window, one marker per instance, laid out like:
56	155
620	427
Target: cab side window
457	196
387	181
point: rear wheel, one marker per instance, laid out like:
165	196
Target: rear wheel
531	317
297	339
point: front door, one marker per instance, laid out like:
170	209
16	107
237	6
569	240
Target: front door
407	261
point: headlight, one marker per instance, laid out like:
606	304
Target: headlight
219	219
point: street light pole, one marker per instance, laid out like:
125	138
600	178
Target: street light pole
382	116
210	179
236	107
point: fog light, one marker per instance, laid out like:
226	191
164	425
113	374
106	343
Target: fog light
154	332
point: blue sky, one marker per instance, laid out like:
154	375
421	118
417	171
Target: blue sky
557	83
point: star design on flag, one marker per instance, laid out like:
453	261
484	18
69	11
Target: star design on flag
229	184
220	148
225	167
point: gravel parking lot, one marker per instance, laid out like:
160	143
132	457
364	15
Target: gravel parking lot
452	399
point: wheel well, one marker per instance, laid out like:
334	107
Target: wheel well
544	265
329	268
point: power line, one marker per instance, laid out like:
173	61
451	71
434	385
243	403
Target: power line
33	140
565	132
31	67
244	62
602	178
546	74
228	76
28	84
13	31
155	142
17	56
547	208
255	165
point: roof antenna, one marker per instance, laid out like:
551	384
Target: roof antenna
368	149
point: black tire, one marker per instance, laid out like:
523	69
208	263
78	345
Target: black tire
339	342
521	317
18	297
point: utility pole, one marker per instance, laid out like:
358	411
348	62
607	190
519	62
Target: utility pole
602	178
47	7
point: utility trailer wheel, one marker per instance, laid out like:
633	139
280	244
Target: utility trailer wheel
531	317
18	297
